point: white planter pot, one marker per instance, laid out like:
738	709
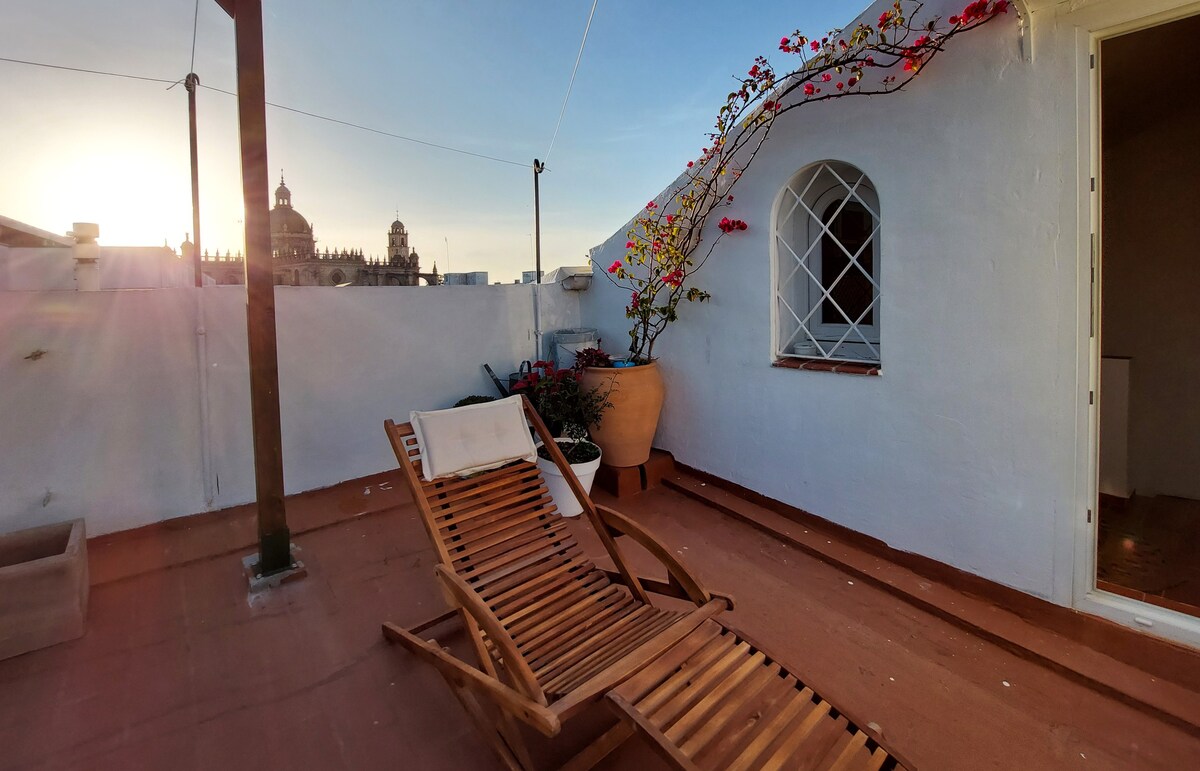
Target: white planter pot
566	502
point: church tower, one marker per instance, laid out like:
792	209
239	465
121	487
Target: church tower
399	253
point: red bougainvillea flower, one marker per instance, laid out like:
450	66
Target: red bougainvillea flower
815	45
651	206
728	226
753	71
953	20
1001	6
825	76
731	199
977	10
809	89
870	61
629	244
656	246
615	266
883	18
670	218
840	85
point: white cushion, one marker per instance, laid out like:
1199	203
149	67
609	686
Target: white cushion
466	440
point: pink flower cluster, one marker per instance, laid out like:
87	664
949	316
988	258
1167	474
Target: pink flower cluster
728	226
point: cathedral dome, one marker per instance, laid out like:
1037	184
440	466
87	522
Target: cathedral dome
397	226
285	218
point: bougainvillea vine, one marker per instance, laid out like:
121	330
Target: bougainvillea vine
662	251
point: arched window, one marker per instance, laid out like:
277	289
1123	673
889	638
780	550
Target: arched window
827	279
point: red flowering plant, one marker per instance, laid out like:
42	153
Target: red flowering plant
661	252
567	408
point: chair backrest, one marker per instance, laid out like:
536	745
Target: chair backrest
494	526
500	532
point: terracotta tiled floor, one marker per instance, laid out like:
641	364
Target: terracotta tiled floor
179	670
1150	546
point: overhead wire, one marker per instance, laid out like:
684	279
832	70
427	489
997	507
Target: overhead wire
379	131
278	106
571	84
195	26
81	69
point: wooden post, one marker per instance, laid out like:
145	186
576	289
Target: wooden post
274	539
190	84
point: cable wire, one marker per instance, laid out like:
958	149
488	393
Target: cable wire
377	131
277	106
571	84
195	26
90	72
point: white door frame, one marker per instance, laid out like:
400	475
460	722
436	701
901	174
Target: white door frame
1093	26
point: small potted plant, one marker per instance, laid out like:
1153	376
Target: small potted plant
568	409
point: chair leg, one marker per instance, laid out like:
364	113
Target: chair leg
600	749
493	734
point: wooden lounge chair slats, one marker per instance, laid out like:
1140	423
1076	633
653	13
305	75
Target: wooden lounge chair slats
716	701
555	633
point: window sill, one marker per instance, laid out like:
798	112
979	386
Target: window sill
829	365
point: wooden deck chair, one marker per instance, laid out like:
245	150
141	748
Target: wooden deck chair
554	633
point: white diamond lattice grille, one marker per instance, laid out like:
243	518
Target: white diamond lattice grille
827	266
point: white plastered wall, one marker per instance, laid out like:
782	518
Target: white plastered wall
972	447
106	423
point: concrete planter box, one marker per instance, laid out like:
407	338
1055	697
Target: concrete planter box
43	587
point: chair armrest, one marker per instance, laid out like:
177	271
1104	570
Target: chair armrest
680	576
514	662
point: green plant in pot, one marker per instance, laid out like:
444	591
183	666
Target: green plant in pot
568	408
474	399
565	404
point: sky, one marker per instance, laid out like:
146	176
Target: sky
485	76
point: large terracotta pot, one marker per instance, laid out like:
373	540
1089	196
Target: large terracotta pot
627	429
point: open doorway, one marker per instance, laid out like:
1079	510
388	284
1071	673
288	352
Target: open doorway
1148	546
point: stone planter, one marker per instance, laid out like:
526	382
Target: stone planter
43	587
627	429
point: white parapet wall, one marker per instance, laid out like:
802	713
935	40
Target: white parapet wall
103	391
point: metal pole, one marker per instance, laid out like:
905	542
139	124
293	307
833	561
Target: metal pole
538	168
274	553
190	84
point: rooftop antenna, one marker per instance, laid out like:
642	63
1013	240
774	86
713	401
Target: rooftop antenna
447	240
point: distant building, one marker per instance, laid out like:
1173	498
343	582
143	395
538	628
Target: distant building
475	278
32	259
297	262
527	276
